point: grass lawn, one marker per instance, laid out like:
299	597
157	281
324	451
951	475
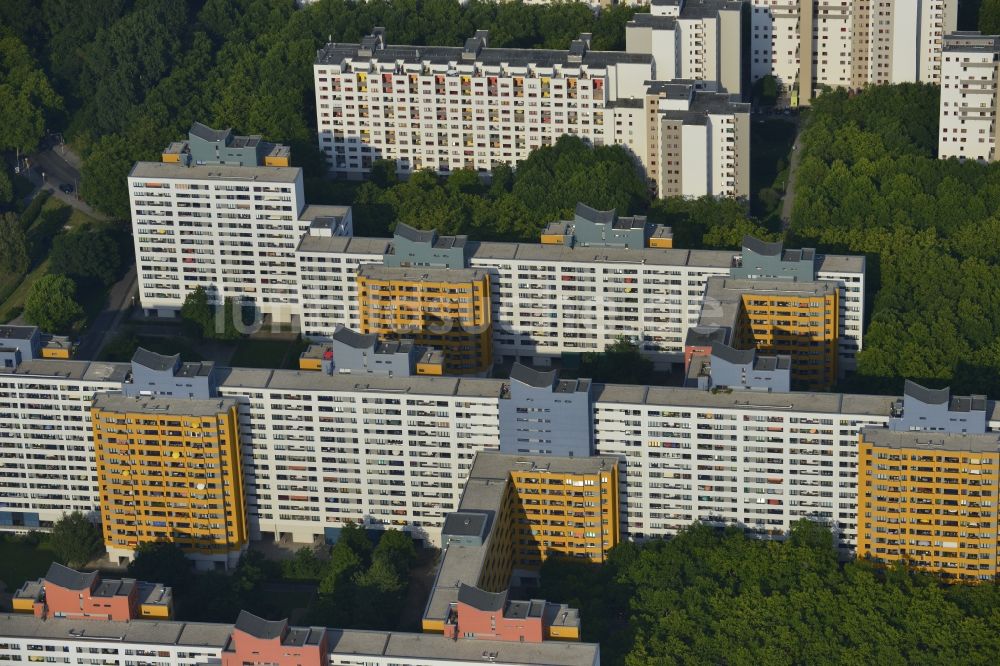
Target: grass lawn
20	561
54	217
771	142
251	353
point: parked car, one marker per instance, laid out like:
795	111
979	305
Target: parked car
66	188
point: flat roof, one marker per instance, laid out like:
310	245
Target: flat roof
545	653
17	332
337	53
493	465
310	380
162	405
263	174
377	247
341	641
933	441
92	371
313	211
421	273
796	401
500	251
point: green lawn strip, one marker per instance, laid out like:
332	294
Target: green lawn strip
15	302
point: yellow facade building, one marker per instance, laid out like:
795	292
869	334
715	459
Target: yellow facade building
930	498
445	308
780	317
169	469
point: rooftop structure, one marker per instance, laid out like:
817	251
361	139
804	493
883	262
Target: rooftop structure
936	410
67	593
210	146
604	228
350	352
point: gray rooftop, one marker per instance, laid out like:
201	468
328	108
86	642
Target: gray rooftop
421	274
489	250
341	641
17	332
263	174
154	361
90	371
258	627
352	338
493	465
70	579
161	405
933	441
339	53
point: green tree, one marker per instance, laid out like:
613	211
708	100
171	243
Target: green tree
75	540
87	254
304	565
51	303
27	99
989	17
161	562
396	549
106	165
198	314
620	363
13	245
6	188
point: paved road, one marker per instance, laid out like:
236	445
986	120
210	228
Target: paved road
61	166
793	165
106	324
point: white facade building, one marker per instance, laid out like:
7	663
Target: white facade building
969	80
448	108
230	229
807	44
550	299
321	449
699	40
47	464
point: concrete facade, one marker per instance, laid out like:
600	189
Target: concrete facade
544	415
549	299
448	108
967	127
808	44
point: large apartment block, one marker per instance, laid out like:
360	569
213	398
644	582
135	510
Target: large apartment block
469	107
970	74
591	281
321	449
809	44
700	40
223	212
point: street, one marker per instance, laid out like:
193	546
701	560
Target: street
61	167
107	323
793	165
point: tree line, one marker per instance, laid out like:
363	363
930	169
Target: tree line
710	596
126	77
869	183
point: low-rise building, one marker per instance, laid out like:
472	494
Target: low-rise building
252	639
66	593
